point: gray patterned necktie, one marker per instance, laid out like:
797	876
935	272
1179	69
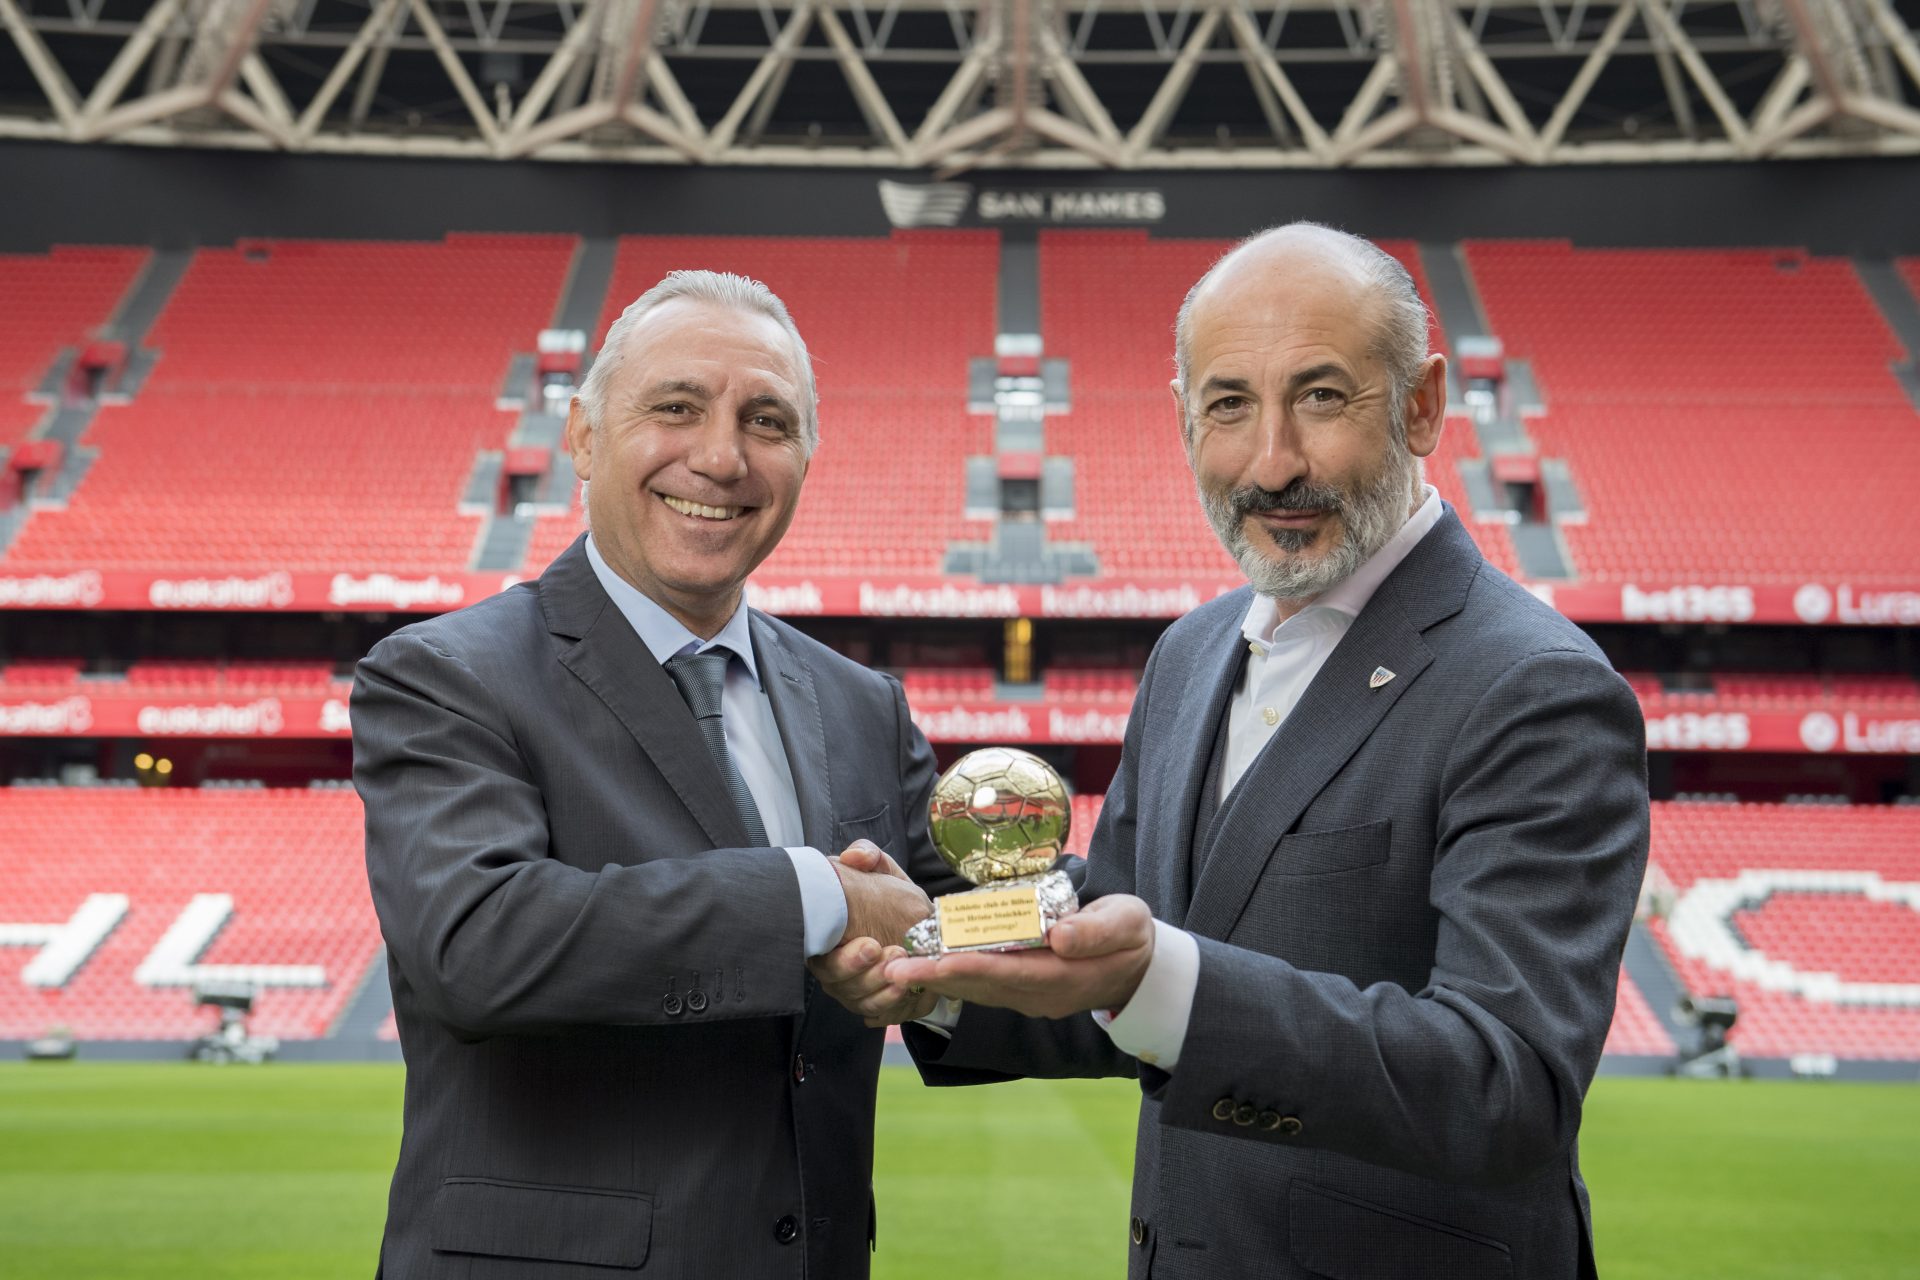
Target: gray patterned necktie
699	677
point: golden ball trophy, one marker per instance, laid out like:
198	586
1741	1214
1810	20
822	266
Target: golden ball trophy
999	817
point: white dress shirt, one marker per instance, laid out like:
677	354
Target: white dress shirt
1282	659
753	738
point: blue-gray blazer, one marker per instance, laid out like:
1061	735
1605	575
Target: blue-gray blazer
1410	917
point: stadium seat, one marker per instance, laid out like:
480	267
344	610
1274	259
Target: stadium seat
1786	447
291	861
53	300
1134	492
1804	914
1635	1029
317	406
885	493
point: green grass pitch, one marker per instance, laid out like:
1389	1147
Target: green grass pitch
144	1172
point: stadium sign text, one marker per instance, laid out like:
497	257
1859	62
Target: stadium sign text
261	718
43	591
933	595
270	591
62	718
956	204
1699	731
402	594
1814	603
1686	604
1859	734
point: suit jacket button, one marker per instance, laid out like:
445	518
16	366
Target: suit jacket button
787	1230
1223	1109
1243	1115
697	1001
800	1069
1290	1126
672	1005
1139	1231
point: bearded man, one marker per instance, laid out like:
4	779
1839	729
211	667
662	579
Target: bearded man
1361	885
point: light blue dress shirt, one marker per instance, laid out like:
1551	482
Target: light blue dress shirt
753	738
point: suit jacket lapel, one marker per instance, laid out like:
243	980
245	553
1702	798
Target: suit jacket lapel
1210	684
611	661
1333	719
796	709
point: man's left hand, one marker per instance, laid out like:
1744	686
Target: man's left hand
854	974
1094	959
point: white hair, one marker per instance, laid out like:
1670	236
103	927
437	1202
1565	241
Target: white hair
1400	336
722	289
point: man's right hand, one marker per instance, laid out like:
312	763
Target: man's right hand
882	903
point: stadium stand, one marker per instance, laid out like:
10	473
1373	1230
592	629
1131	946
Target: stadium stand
291	862
1086	813
1891	693
1807	915
892	375
1091	685
290	678
1635	1029
316	406
1786	448
954	684
54	301
1134	490
320	406
284	679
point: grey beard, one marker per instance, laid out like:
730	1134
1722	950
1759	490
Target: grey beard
1368	519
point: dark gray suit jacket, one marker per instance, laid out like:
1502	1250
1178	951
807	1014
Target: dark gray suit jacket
616	1059
1410	918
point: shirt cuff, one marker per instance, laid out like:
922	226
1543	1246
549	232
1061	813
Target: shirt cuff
942	1018
823	903
1153	1025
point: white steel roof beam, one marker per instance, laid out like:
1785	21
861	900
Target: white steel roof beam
1262	60
541	92
47	74
721	136
866	92
1662	21
457	72
1589	72
1173	88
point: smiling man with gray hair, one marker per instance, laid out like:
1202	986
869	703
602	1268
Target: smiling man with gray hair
1358	894
597	806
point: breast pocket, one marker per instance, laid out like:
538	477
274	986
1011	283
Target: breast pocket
879	826
1313	903
1320	853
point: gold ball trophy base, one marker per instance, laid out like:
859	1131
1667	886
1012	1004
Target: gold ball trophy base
999	817
1013	915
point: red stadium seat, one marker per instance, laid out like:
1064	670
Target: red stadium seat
291	861
1135	499
53	300
1785	447
317	406
885	493
1800	911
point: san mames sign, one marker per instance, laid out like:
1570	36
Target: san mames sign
962	204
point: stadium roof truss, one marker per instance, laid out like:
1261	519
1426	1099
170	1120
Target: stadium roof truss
946	86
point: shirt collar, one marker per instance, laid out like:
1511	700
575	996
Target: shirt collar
665	635
1263	626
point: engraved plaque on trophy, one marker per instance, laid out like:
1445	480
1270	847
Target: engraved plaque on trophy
999	817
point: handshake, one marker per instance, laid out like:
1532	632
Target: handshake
1094	958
